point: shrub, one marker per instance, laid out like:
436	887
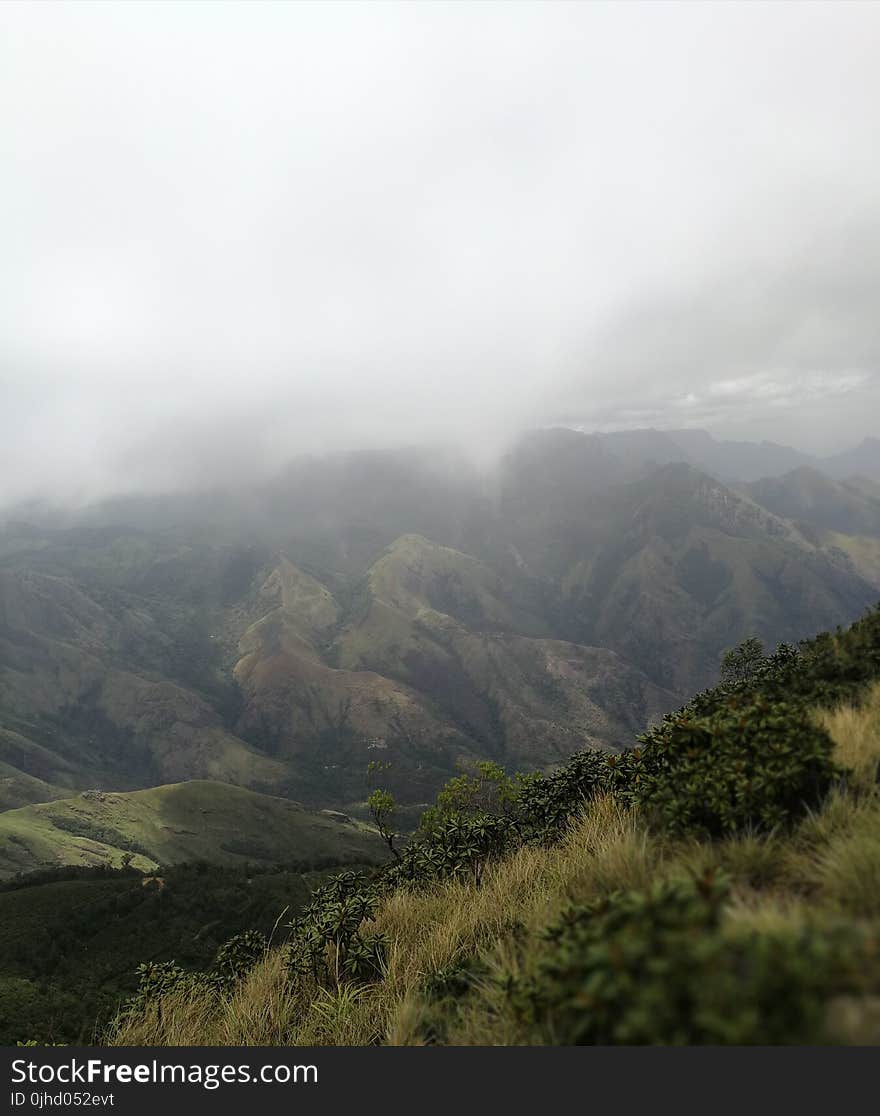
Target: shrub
453	981
328	942
484	788
751	764
546	804
157	979
238	956
458	847
744	662
654	968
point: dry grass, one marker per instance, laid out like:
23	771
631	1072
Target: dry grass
428	930
855	731
260	1012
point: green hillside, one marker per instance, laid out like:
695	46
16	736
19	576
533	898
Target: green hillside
164	825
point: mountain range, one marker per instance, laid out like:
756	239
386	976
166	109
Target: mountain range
740	461
403	607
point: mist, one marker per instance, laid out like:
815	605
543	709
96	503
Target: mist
237	233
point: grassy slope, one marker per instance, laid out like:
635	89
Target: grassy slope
828	867
196	820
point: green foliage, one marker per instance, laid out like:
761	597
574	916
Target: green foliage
328	941
382	808
545	804
485	789
655	968
458	847
453	981
751	764
237	956
157	979
234	960
742	663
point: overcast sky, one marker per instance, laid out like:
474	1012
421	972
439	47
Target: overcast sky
231	232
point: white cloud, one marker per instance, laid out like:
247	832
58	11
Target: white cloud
307	225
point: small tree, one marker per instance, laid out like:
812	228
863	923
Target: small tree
742	663
484	789
383	808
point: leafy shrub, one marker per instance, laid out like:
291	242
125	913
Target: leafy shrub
654	968
236	957
485	788
546	803
458	848
751	763
328	942
155	980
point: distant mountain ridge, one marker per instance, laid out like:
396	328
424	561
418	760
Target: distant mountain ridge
805	494
737	461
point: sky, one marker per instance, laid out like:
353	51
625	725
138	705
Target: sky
232	233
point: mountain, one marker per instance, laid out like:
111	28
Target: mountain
734	461
435	658
864	461
197	820
638	450
87	696
809	496
400	608
131	659
743	461
670	569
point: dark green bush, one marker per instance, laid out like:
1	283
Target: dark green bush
236	957
155	980
328	941
654	968
752	763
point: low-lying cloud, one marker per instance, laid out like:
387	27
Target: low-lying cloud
236	232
